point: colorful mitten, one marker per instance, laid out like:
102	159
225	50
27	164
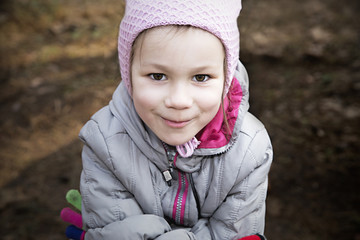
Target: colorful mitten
69	216
74	198
73	231
253	237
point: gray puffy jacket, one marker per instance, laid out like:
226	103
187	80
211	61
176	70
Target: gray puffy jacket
217	193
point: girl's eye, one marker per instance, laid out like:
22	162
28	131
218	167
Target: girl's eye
201	78
157	76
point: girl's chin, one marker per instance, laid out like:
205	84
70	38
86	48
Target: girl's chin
175	142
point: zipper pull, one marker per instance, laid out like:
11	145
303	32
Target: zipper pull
167	176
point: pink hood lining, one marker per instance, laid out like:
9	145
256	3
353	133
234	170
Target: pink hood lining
216	134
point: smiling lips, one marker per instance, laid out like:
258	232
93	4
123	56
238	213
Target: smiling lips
176	124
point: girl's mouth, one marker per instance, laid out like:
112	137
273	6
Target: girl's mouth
176	124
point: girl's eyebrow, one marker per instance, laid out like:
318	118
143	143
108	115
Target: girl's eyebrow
168	67
204	68
157	66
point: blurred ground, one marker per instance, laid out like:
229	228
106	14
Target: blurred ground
59	65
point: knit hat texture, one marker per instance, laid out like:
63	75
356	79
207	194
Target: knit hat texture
218	17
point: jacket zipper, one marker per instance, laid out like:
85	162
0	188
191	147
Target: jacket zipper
183	187
171	156
180	199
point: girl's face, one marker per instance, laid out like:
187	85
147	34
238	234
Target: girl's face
177	81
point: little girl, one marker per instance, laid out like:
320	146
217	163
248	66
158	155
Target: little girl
176	154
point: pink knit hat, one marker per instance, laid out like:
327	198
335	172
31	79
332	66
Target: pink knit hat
218	17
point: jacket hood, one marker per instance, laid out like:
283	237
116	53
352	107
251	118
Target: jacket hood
213	137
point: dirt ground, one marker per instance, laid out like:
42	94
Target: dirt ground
59	66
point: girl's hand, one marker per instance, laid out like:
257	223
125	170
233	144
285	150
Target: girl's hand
73	231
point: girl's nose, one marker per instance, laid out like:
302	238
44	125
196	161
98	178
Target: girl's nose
179	96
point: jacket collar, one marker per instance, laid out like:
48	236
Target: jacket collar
217	133
216	137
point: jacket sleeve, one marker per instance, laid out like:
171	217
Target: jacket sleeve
242	213
109	211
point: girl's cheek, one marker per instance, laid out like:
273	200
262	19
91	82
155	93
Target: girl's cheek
148	96
209	98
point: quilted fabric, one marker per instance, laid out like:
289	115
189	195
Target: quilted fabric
218	17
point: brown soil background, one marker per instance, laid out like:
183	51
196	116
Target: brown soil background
59	66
